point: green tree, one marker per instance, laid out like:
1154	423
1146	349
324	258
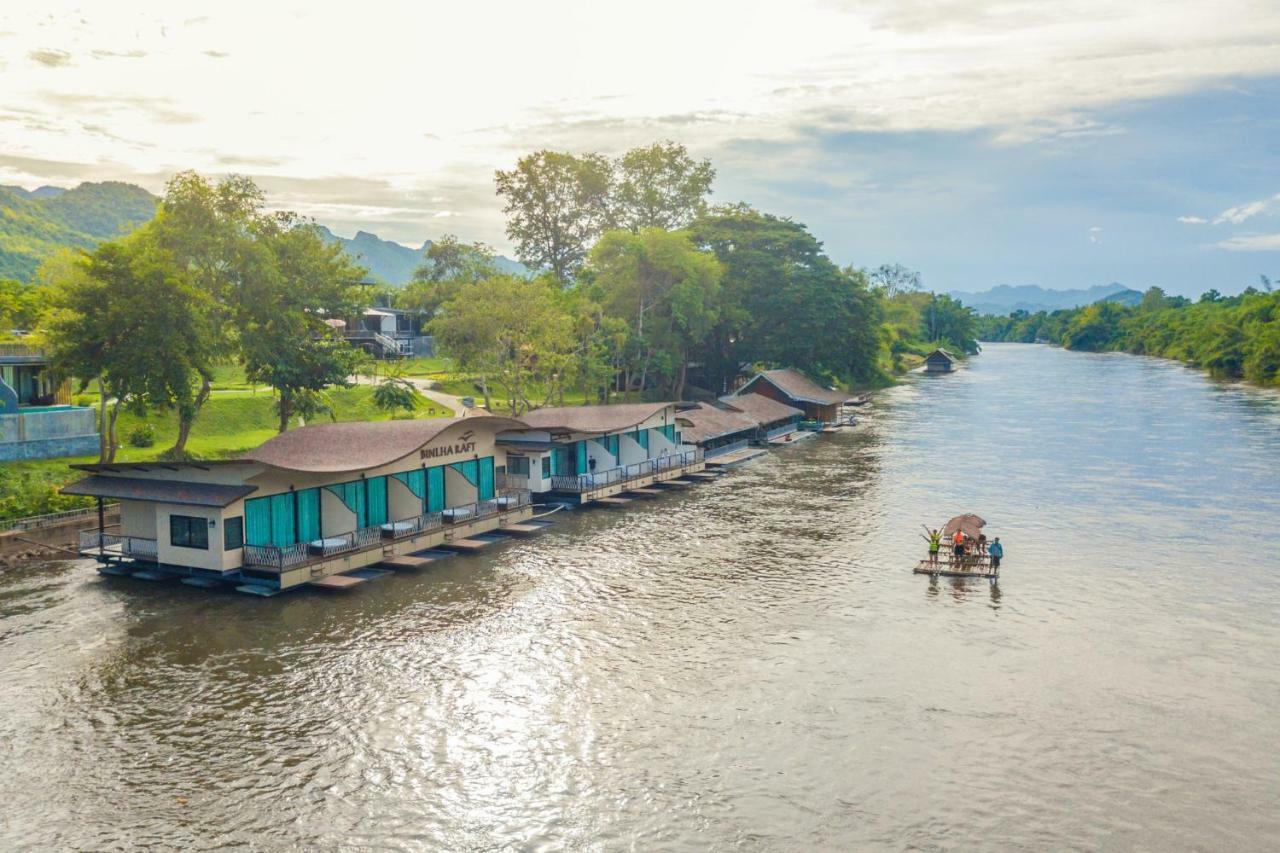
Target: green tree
557	204
447	265
667	291
395	393
660	186
280	315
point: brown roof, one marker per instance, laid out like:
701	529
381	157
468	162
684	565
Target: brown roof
359	445
710	422
593	419
763	410
162	491
797	386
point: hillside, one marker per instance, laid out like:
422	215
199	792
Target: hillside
1006	299
393	263
35	224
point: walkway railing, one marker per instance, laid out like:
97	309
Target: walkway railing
34	522
596	480
780	430
733	447
286	556
127	546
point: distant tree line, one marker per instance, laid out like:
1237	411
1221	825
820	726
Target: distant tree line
1236	337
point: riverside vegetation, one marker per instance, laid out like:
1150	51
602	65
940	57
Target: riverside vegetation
1232	337
641	290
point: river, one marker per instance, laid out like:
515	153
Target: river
750	665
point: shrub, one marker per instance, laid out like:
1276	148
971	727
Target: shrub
83	400
143	435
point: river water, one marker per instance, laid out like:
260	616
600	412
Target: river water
750	665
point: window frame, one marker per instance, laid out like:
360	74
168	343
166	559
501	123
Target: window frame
187	522
235	522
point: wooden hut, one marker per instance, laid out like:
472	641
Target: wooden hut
939	361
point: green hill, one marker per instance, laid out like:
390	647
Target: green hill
35	224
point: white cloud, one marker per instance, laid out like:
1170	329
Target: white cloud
1251	243
1095	235
1192	220
391	96
1238	214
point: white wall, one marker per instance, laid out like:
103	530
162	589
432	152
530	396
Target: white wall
630	450
457	491
194	557
402	503
138	518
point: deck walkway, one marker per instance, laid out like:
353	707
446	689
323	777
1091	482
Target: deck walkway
728	460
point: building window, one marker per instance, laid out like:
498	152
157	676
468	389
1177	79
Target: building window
518	465
187	531
233	533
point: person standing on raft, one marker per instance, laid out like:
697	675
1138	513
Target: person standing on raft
935	544
996	550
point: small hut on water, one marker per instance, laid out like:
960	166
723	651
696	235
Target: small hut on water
939	361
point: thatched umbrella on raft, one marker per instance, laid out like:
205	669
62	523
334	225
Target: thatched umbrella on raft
969	524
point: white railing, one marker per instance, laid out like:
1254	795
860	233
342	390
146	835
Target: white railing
587	482
733	447
412	526
780	430
34	522
92	540
278	557
513	499
144	549
286	556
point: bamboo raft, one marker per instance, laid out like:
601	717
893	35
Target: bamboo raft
969	566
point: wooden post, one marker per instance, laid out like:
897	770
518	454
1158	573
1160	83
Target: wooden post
101	529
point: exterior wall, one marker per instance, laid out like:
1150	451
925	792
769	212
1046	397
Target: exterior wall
35	434
336	516
402	503
457	491
595	452
138	518
212	559
630	450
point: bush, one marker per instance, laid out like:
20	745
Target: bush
83	400
143	435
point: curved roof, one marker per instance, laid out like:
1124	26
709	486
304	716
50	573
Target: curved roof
359	445
593	419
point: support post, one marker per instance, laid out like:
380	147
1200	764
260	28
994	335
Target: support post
101	529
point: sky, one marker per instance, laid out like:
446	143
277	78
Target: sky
1066	144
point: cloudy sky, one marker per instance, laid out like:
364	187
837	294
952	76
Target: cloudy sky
1069	143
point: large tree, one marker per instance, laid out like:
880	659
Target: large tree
785	302
511	334
280	315
557	204
668	293
660	186
447	265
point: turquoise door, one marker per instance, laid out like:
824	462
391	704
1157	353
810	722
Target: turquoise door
282	520
580	455
484	488
308	514
435	488
377	501
257	521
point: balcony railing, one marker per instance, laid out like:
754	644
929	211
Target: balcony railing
596	480
91	541
287	556
412	526
733	447
511	482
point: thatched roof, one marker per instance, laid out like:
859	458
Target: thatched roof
797	386
763	410
600	420
712	422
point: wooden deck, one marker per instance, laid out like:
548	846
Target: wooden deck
613	501
469	544
407	561
979	567
728	460
646	491
337	582
523	529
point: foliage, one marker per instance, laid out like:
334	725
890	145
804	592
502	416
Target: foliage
557	204
449	264
143	435
510	332
396	393
20	306
784	302
667	291
1235	337
660	186
33	228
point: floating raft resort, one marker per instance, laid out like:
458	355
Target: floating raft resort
335	505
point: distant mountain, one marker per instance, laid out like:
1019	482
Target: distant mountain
36	223
1005	299
394	263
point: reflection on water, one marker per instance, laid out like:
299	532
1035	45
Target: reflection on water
750	664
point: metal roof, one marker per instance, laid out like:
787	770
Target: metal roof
160	491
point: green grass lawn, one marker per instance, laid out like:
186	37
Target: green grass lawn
230	424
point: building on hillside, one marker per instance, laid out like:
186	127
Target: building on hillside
318	502
388	333
820	405
939	361
584	453
37	420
